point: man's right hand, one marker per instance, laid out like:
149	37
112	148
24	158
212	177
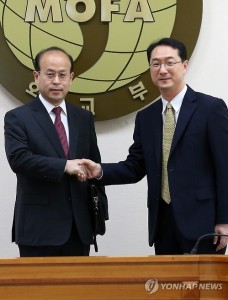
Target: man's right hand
93	169
74	167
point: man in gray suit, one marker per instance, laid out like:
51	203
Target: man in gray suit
52	209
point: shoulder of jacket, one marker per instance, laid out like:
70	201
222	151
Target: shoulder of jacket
156	104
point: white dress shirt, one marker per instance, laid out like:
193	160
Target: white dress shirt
176	103
63	114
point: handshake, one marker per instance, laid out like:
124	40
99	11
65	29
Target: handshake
83	169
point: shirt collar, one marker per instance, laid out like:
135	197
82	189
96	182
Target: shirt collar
50	106
176	101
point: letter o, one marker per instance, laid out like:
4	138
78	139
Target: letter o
74	15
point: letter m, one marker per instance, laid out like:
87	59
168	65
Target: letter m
43	10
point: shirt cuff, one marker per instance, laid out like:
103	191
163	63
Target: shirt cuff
100	177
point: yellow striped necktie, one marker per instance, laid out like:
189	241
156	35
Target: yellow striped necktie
168	132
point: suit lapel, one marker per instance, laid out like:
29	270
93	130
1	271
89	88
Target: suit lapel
158	130
42	117
152	120
187	109
74	122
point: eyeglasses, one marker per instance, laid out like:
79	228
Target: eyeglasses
52	75
167	65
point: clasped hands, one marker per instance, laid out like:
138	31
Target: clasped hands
83	169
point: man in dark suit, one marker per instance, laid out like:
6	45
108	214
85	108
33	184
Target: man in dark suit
197	163
52	209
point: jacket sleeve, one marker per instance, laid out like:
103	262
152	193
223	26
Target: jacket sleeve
22	158
130	170
218	140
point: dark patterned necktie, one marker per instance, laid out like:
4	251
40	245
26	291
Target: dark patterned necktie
168	132
60	129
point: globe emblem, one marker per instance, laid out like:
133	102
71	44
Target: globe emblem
110	62
123	58
26	39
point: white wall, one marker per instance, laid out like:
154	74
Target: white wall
127	233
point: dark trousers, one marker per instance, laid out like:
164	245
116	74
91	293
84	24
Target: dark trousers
169	240
73	247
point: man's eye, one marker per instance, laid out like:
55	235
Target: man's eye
62	75
170	63
51	75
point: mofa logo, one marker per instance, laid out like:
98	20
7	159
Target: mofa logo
107	40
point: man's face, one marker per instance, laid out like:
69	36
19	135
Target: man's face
54	78
167	70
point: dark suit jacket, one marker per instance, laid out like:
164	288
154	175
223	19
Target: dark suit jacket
197	166
47	199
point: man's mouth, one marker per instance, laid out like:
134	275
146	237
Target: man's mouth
56	90
163	79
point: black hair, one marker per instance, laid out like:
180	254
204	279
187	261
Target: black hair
54	48
175	44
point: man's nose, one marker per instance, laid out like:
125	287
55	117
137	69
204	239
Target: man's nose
163	67
56	78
